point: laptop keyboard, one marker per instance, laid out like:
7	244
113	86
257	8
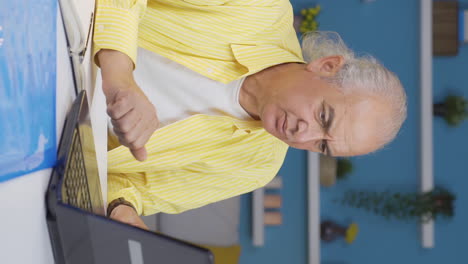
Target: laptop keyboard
76	191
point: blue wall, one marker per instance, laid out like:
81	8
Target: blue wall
389	30
284	243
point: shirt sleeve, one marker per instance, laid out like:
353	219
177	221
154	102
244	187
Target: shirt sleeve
217	176
116	26
176	191
206	2
123	185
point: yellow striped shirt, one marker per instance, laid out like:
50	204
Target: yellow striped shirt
201	159
195	161
223	40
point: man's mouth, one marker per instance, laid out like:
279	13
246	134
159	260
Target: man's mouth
283	127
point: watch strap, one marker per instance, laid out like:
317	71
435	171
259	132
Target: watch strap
116	202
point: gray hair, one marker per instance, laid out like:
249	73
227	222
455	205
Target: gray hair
364	75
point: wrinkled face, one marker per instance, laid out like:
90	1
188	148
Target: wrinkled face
307	112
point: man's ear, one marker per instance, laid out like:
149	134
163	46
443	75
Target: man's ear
326	66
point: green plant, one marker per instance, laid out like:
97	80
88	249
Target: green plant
309	22
454	109
343	168
403	206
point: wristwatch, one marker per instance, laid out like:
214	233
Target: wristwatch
117	202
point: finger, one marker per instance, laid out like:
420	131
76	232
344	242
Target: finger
124	138
127	122
129	139
139	154
119	109
138	222
144	137
121	105
139	150
143	226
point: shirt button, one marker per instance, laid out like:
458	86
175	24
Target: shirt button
209	70
100	28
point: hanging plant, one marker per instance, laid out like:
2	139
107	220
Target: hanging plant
454	109
403	206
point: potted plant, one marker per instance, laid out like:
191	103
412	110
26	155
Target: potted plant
454	109
403	206
343	168
330	231
306	21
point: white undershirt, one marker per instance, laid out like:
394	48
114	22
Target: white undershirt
178	92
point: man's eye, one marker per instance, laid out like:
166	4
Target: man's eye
322	117
323	146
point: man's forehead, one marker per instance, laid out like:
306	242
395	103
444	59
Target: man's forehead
339	144
362	114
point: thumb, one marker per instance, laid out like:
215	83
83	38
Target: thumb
139	154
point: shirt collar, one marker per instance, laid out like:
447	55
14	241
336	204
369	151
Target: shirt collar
255	57
247	124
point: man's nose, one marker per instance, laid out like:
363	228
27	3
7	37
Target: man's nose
304	132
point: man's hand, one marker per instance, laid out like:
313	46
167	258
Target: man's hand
128	215
133	115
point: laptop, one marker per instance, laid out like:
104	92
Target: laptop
79	231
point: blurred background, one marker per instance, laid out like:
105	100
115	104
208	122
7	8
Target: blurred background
390	31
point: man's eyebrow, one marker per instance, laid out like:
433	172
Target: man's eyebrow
328	123
331	116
